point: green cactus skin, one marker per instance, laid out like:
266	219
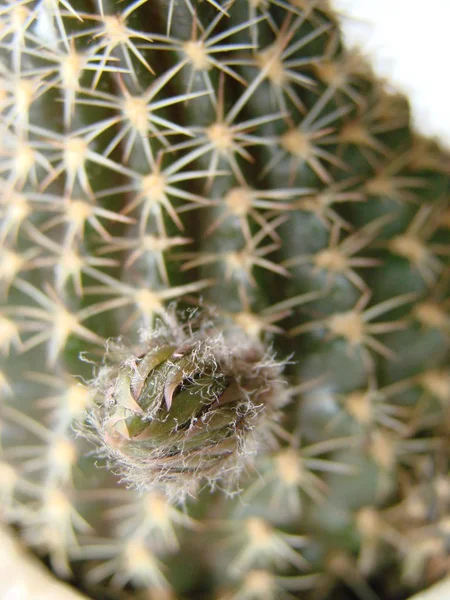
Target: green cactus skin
225	292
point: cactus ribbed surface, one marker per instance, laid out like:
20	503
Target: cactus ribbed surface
225	305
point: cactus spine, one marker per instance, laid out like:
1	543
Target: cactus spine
224	261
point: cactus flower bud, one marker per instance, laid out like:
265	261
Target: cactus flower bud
192	404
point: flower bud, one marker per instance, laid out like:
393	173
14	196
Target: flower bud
192	404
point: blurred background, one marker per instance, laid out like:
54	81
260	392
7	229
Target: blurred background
409	42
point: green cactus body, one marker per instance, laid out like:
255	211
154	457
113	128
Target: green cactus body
224	322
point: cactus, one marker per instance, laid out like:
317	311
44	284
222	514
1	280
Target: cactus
224	322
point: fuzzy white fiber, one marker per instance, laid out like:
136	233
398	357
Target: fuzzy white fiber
408	42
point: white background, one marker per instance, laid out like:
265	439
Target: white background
408	42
